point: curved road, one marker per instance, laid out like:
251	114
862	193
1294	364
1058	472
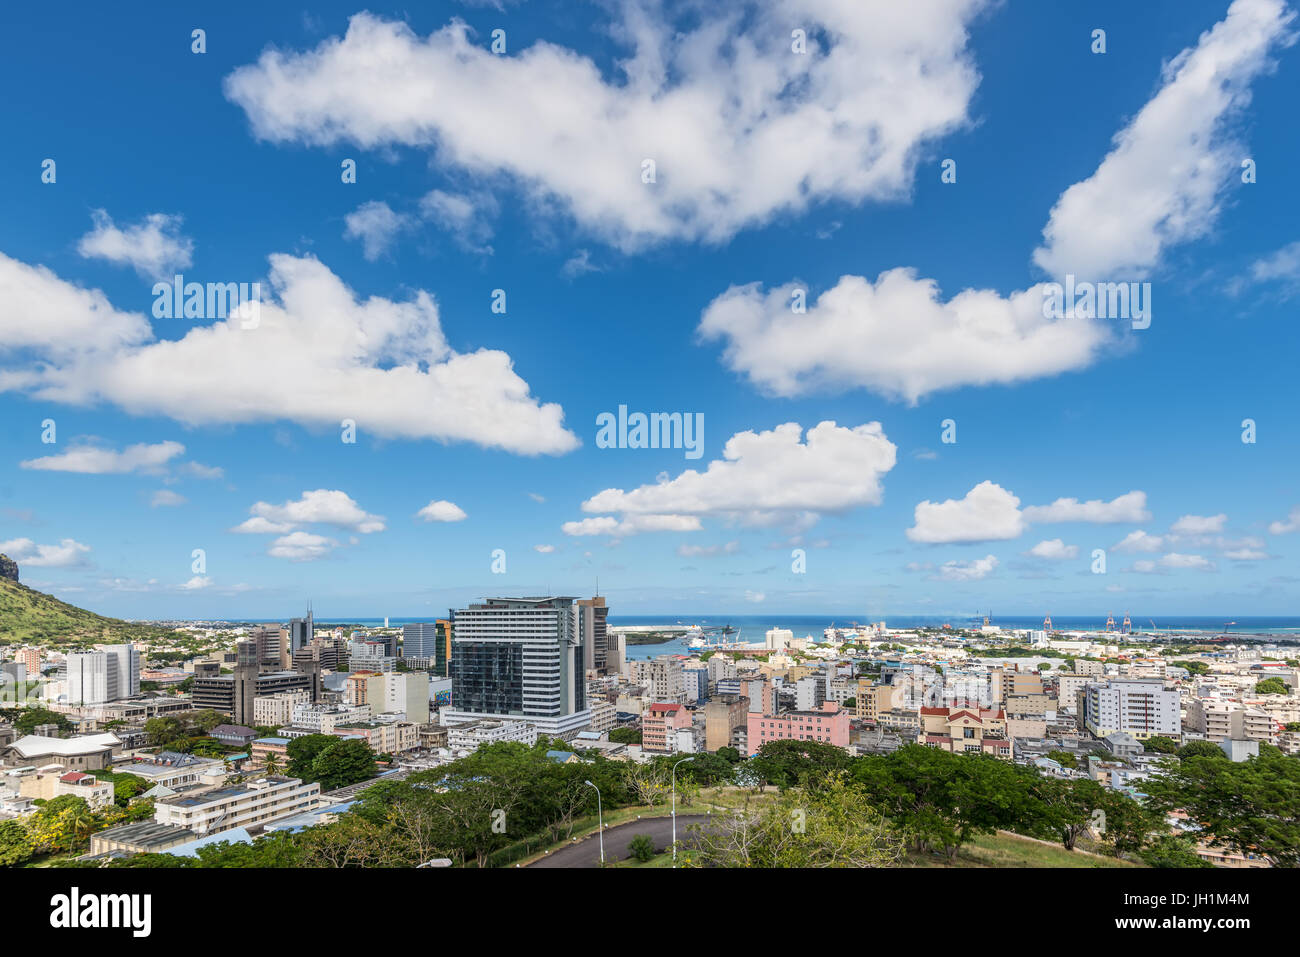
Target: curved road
586	853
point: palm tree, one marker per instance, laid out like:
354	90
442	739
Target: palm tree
271	765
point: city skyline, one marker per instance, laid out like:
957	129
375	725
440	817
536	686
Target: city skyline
435	398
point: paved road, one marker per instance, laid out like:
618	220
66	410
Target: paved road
586	853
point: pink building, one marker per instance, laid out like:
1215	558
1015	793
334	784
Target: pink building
658	724
830	725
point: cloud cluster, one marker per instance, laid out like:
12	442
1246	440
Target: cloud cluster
66	554
1163	181
897	337
442	511
318	355
154	247
763	478
317	507
989	512
739	124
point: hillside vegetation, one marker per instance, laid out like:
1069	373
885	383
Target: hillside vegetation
33	617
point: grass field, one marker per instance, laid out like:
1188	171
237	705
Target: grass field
1010	850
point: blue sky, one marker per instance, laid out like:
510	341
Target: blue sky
775	171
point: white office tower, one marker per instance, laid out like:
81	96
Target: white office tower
778	639
98	677
519	658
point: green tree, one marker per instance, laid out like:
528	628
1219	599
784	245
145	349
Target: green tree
303	751
1251	806
341	764
788	763
1171	850
729	754
625	735
15	844
1159	744
830	824
1065	759
1201	749
642	847
31	718
1272	685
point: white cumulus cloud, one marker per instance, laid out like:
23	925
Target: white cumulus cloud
738	125
154	247
318	355
1164	179
442	511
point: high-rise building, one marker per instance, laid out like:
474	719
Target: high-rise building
301	632
594	633
97	677
519	658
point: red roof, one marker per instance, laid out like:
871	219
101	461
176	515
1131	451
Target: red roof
663	708
73	777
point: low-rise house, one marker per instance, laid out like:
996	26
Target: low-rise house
233	734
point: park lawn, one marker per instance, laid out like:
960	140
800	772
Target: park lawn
1008	850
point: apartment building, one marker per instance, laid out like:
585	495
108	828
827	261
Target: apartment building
722	715
1221	720
662	676
97	677
469	735
659	726
1143	709
50	782
382	737
323	719
829	725
254	803
271	711
603	716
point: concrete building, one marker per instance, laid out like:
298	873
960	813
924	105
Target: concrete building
84	752
323	719
254	803
271	711
382	737
1141	708
965	731
97	677
469	735
661	675
659	727
53	781
173	770
722	715
829	725
519	658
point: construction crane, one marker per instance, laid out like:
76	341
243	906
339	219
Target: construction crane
1128	623
1110	622
1047	623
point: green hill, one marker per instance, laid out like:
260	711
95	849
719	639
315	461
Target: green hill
33	617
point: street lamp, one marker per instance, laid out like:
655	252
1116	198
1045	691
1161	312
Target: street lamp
682	761
600	822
